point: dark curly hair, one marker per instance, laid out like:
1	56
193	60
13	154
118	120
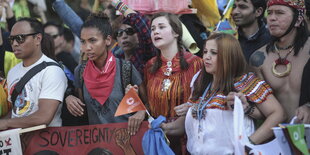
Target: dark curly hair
100	21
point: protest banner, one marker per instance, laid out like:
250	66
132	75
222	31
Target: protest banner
89	139
10	142
155	6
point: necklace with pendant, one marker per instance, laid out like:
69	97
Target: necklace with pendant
198	110
166	82
282	61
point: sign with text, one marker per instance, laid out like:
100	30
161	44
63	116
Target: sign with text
10	142
90	139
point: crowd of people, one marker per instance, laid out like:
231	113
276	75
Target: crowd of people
267	66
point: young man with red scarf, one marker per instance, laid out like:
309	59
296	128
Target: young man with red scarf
281	62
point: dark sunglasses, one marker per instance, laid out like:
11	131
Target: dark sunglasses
54	36
128	31
21	38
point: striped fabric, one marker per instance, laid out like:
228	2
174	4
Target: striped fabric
255	90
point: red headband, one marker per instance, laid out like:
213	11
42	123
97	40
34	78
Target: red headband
296	4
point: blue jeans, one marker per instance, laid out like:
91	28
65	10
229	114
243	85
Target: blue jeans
69	17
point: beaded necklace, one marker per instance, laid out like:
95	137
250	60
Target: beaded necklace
283	48
282	61
198	109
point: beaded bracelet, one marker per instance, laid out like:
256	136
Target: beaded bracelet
116	4
123	8
120	6
247	109
250	110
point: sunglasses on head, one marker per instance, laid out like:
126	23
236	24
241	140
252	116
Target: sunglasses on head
128	31
21	38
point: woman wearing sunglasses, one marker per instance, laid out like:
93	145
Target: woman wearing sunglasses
133	36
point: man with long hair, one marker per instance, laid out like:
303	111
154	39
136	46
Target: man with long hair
281	62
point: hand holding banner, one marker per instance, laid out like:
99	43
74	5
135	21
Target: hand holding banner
130	103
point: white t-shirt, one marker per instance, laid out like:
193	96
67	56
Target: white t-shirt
50	83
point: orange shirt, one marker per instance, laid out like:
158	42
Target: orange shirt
162	101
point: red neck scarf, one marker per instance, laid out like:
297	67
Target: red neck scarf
99	83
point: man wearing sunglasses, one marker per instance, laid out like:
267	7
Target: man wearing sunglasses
40	99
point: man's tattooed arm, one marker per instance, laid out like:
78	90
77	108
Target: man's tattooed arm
257	59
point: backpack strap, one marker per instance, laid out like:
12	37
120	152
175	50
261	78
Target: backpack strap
126	73
81	71
2	57
31	73
122	78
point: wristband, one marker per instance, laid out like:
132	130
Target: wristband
113	3
122	7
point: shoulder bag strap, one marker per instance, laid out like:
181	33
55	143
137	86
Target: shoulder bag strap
2	58
122	75
32	72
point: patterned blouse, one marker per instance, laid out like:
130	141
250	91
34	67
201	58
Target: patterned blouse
255	90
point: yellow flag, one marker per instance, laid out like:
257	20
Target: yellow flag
207	12
228	10
4	104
